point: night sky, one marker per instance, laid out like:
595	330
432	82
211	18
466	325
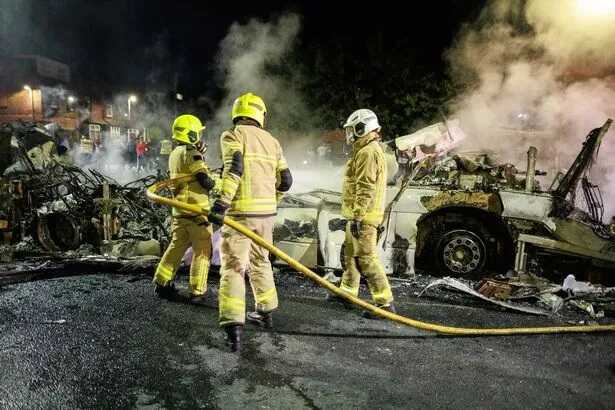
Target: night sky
122	45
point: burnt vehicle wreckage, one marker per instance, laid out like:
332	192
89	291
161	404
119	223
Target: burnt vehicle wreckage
462	216
447	215
49	207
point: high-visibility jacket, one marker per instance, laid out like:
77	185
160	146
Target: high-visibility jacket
363	191
186	160
250	190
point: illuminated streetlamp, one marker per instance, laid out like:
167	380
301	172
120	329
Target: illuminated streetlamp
131	99
29	89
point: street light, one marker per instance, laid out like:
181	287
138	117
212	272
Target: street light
71	99
29	89
131	99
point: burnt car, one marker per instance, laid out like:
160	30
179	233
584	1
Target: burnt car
465	215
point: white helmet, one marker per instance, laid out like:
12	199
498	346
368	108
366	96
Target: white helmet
359	124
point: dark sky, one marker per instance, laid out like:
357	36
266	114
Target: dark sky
124	44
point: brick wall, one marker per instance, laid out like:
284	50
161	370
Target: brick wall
19	105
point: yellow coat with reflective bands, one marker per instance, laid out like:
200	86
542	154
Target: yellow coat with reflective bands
254	192
186	160
364	188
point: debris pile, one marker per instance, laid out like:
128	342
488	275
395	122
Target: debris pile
534	295
50	207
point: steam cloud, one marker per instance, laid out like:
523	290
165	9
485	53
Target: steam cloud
538	72
254	57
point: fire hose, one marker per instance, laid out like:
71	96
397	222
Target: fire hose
152	194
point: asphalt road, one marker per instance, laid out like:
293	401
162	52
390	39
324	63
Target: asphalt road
104	341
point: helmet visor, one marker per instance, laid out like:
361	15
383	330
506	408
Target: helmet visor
195	136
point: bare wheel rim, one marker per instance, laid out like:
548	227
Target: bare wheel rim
463	251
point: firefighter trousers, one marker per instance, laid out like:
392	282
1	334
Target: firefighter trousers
361	257
240	256
186	232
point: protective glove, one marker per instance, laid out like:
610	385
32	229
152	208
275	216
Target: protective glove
216	213
201	147
355	228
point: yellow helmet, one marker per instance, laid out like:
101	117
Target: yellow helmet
251	106
187	129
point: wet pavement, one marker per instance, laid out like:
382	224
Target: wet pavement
104	341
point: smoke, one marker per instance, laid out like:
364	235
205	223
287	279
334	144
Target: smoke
538	72
257	57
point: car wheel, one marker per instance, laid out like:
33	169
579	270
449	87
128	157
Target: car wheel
461	252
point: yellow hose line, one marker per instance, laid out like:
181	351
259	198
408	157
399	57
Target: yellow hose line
448	330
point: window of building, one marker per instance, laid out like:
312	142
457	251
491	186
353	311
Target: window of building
109	111
115	133
94	132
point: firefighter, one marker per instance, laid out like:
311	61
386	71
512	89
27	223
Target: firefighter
363	197
187	229
254	176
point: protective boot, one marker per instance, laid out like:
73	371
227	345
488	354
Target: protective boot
166	292
198	299
369	315
233	336
261	319
185	296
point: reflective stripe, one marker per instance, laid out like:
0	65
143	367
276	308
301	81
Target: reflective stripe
163	273
229	187
255	205
383	297
199	276
349	289
197	166
231	306
261	158
265	297
230	147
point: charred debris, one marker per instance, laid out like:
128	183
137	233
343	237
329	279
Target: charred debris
52	210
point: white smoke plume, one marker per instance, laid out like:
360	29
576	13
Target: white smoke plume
150	115
539	72
255	57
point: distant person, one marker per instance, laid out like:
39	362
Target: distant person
131	150
141	149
